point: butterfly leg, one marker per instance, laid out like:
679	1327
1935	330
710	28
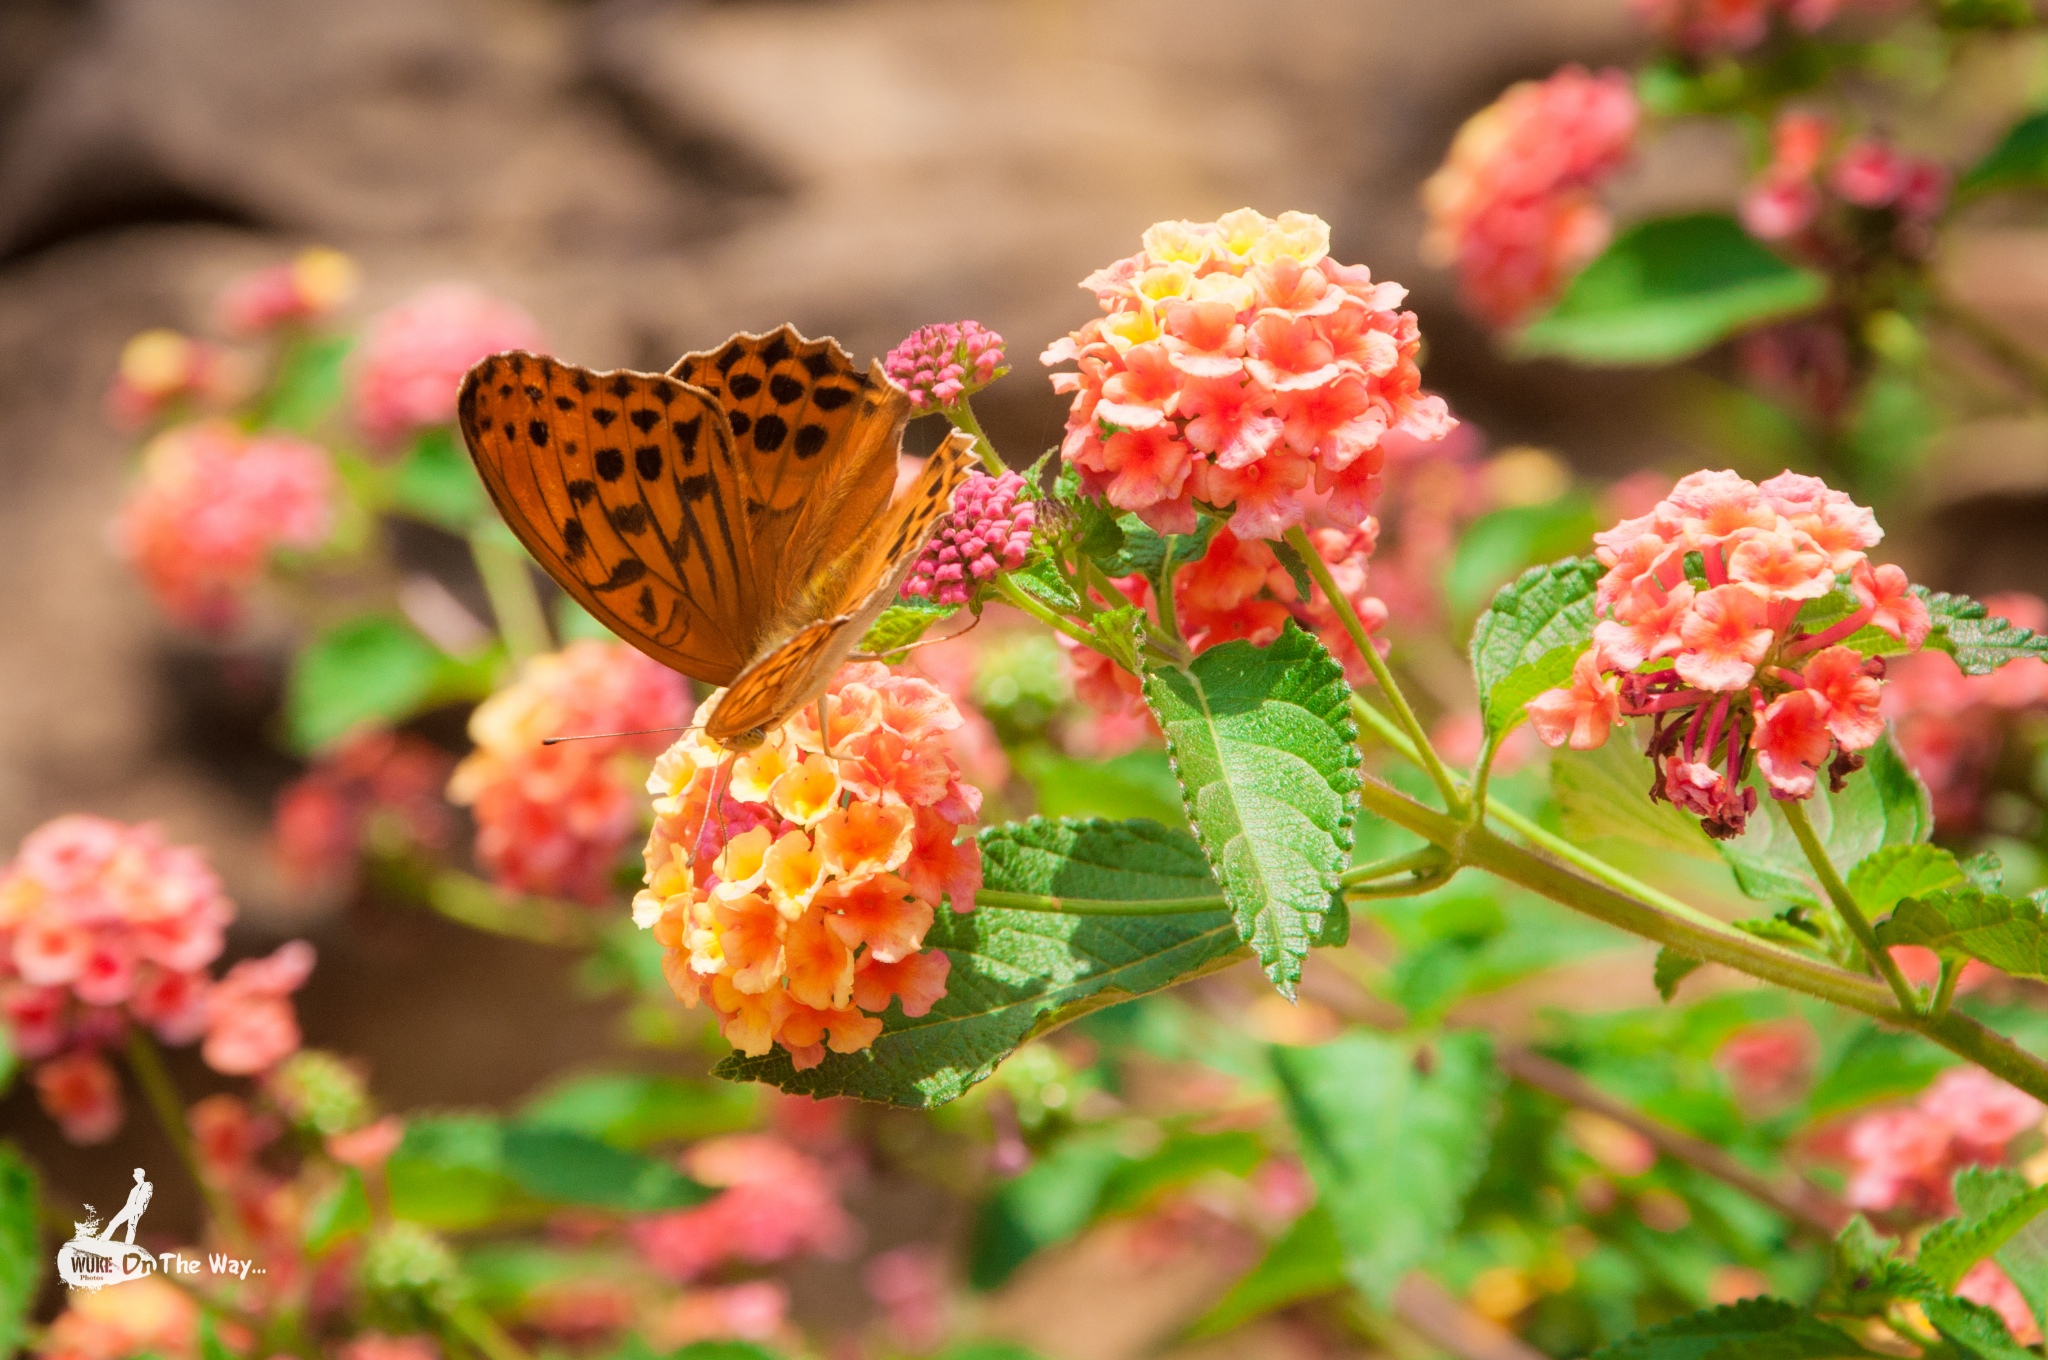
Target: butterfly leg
825	731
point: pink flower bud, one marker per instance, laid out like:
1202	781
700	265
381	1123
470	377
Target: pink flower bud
933	362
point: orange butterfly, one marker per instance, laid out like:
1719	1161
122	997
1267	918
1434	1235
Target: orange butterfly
732	518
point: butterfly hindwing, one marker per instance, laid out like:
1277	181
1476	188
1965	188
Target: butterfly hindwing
625	487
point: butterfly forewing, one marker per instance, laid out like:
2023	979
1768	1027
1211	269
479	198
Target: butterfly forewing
626	488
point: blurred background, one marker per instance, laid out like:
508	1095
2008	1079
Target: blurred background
645	176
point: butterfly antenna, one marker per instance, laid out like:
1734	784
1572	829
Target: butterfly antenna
718	807
599	736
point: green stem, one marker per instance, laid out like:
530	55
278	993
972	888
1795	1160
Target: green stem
1426	754
1482	774
1846	906
1945	990
962	416
522	623
168	1105
1093	906
1420	882
1428	857
1169	620
1017	596
479	1330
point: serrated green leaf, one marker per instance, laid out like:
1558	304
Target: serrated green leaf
1500	544
309	383
1995	1209
1983	1190
437	482
1606	792
1781	929
1669	288
1017	973
565	1166
1394	1134
1883	804
1886	877
1041	580
633	1110
901	624
1307	1261
1507	707
2006	932
2019	161
1291	563
21	1252
1754	1329
1534	617
1673	968
1264	747
1976	1332
1979	640
1866	1274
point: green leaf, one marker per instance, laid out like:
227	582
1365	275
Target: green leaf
1982	1191
631	1110
1545	610
1673	968
1876	1064
21	1251
309	383
1140	548
1606	792
1979	640
449	1173
2019	161
901	624
1976	1332
1263	743
1018	973
984	1349
1501	543
375	670
437	482
1394	1134
340	1212
1886	877
565	1166
1137	783
1306	1262
1755	1329
1041	580
1669	288
1866	1273
723	1350
1182	1159
2005	932
1995	1208
1985	13
1788	927
1883	804
1507	707
1296	569
1050	1202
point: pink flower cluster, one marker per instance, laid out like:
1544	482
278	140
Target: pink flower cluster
1236	362
556	819
320	821
210	507
1867	172
989	530
1951	727
944	363
1722	664
774	1203
793	889
414	355
103	925
306	289
1706	26
161	371
1903	1160
1515	206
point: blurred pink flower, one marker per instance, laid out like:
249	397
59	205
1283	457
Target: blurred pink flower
307	288
413	356
210	507
251	1026
775	1203
1903	1159
320	820
377	1346
161	372
1951	726
909	1283
81	1093
753	1310
1987	1284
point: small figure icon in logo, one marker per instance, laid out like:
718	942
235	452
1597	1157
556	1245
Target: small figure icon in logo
93	1257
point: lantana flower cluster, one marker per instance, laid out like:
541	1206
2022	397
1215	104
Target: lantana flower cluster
162	373
1515	207
792	888
1865	172
210	508
410	365
294	293
104	925
556	819
1235	364
988	531
1708	26
320	821
942	363
1903	1160
1720	660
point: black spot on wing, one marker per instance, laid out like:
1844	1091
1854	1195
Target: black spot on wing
830	398
581	382
575	542
744	385
627	573
582	492
628	519
534	394
610	464
647	460
646	419
565	403
769	432
776	351
604	416
740	421
784	389
622	387
730	357
537	431
819	364
646	606
810	439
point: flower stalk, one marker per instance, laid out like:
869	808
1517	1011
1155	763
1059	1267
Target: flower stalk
1846	907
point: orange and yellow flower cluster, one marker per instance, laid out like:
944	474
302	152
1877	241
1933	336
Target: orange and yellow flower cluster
792	887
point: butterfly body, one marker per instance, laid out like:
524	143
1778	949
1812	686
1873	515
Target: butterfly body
733	518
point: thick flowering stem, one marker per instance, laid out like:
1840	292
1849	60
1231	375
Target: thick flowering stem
1017	596
514	602
1846	907
961	413
1319	570
1090	906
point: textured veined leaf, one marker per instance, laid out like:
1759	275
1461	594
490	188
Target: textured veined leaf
1748	1330
1887	876
2008	933
1979	640
1545	610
